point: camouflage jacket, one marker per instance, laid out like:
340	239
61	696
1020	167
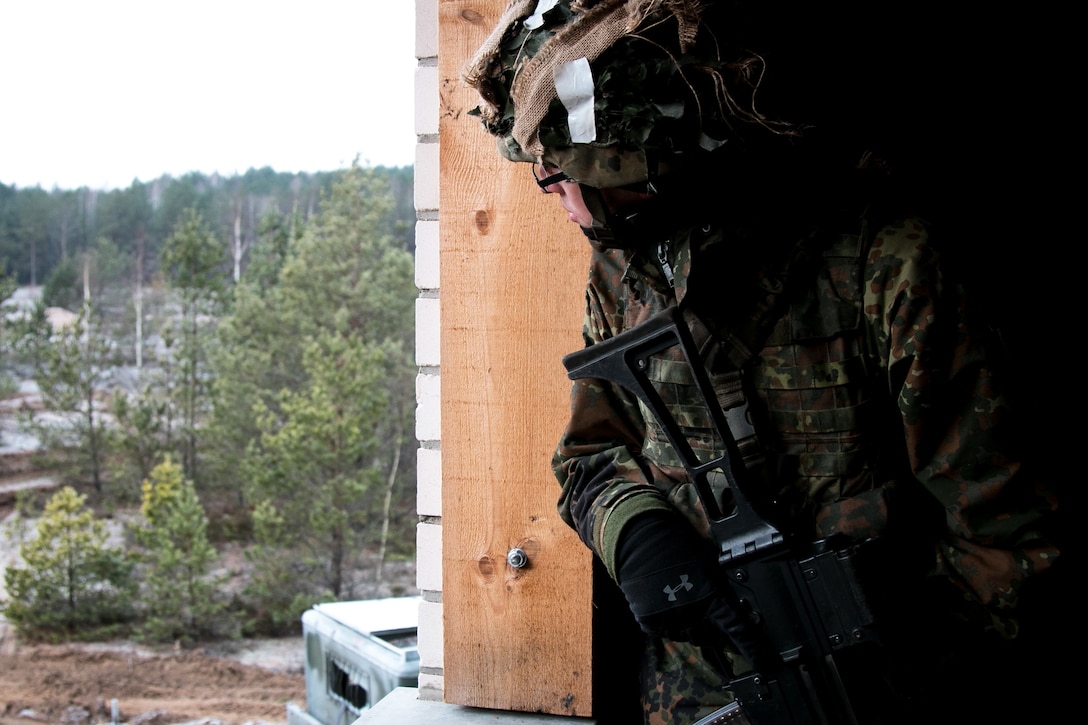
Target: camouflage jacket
871	396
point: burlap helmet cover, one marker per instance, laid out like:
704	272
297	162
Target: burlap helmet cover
659	84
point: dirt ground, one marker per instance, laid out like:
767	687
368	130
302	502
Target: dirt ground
75	684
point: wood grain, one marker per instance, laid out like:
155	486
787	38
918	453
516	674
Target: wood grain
512	280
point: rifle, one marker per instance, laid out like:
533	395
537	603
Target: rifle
808	596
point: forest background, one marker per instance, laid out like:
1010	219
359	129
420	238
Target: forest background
237	370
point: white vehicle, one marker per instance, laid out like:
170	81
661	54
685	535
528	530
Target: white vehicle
356	654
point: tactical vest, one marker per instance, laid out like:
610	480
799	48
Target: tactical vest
815	395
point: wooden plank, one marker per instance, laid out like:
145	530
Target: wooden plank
512	275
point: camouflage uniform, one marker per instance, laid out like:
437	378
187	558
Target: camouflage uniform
871	397
873	402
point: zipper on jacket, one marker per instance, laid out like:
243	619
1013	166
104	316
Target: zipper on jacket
663	260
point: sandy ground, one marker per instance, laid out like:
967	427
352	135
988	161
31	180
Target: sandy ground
246	682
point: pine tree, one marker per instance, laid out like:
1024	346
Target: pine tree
73	367
179	595
139	435
274	587
194	262
71	584
335	332
313	464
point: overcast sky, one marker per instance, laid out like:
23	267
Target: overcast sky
101	92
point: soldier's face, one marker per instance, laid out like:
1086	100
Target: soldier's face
570	196
552	181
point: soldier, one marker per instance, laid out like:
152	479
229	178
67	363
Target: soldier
749	172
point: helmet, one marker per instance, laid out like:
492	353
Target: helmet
616	93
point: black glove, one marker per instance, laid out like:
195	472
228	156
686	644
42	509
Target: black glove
671	582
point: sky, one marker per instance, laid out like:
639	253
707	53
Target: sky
100	93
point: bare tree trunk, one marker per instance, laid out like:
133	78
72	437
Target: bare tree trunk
190	413
64	236
390	482
86	279
337	562
93	441
90	415
238	248
138	303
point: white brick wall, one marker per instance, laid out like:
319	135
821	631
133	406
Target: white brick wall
426	112
429	568
426	174
427	255
428	470
428	414
428	329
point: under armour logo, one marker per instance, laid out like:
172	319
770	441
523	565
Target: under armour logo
684	584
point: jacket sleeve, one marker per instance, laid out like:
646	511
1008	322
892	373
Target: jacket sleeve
605	481
959	437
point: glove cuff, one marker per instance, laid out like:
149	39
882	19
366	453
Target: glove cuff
663	565
680	585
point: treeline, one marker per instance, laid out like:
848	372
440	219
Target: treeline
269	403
41	229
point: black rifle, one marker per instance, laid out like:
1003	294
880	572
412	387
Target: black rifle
807	595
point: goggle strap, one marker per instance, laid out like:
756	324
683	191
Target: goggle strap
553	179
